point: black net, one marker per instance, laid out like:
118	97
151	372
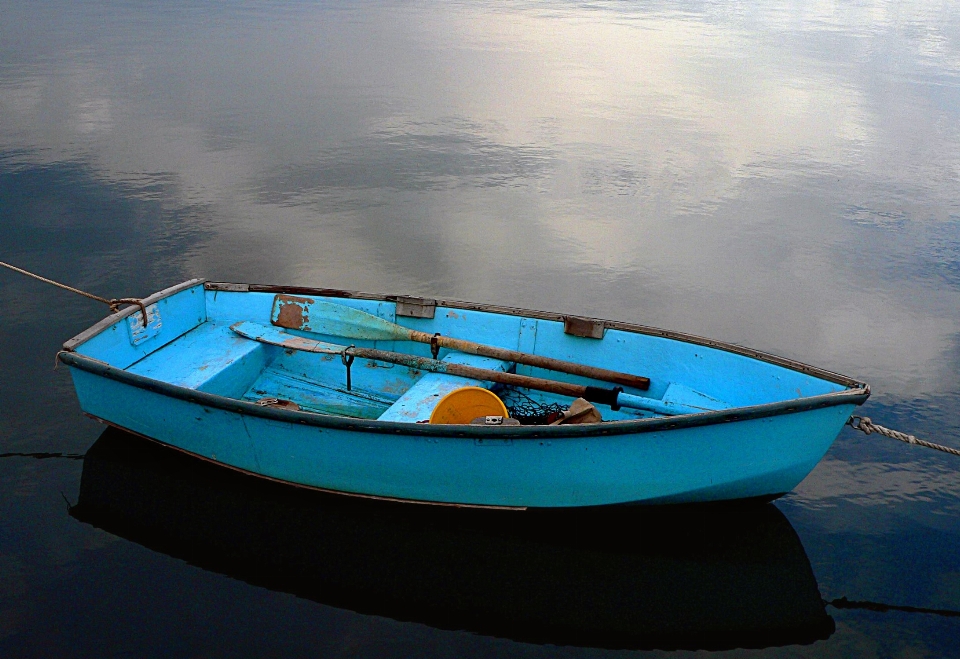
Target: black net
530	412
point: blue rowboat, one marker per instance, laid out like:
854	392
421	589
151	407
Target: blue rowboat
309	387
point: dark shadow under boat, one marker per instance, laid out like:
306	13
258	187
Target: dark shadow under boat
709	577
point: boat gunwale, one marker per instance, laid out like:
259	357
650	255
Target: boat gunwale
630	426
792	364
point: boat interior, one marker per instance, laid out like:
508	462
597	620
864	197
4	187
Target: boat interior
188	341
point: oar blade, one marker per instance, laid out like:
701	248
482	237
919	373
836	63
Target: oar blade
331	319
273	336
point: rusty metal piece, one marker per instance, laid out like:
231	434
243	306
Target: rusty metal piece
277	403
585	327
416	307
435	345
292	312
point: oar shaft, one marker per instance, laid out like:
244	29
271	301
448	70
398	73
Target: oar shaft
613	397
548	363
332	319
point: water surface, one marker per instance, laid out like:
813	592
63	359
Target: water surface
782	175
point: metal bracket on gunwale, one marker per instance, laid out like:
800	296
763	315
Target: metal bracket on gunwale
416	307
585	327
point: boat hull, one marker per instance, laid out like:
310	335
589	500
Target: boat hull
183	377
760	457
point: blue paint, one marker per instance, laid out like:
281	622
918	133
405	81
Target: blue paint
318	396
180	313
676	400
420	400
192	391
210	358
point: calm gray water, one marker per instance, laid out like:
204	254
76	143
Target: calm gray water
783	175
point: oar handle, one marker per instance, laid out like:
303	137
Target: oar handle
549	363
603	396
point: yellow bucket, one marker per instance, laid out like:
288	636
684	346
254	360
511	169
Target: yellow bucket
466	404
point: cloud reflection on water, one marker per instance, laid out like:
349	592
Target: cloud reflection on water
685	169
778	174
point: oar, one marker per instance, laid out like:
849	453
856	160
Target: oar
614	397
334	319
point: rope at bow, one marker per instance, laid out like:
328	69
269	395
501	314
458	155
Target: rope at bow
866	426
114	304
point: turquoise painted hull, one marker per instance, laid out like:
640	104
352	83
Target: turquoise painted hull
192	385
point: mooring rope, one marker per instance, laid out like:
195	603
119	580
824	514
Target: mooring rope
862	423
865	425
114	304
844	603
44	456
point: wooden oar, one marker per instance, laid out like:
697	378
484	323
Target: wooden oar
614	397
334	319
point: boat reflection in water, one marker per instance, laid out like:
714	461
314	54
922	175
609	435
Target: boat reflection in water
709	578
